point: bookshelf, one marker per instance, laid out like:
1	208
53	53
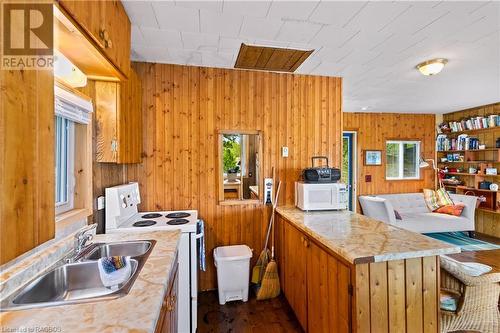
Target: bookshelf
458	152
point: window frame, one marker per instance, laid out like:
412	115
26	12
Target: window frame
65	206
401	144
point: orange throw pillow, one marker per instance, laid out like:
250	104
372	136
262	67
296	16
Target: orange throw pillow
455	210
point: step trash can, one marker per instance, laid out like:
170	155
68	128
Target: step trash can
233	272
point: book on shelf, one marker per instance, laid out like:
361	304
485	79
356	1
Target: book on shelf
475	123
462	142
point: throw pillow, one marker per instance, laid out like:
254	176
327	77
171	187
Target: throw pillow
397	215
455	210
431	200
443	197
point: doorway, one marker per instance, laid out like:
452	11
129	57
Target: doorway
349	166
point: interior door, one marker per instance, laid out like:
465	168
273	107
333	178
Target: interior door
349	167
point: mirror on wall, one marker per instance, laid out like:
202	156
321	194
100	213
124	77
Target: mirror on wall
239	170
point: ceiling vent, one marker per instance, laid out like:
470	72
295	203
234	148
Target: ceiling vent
270	58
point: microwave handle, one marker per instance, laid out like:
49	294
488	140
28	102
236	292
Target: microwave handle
319	158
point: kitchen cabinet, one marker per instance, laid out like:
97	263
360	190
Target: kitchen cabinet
27	155
118	120
106	23
167	322
315	283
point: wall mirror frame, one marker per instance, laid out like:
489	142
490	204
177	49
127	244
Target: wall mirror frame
240	176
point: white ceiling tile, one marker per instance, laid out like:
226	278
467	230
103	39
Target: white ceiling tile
203	5
377	14
196	41
187	56
298	31
247	8
227	44
141	13
309	65
179	18
292	9
336	13
136	35
167	38
270	43
333	36
153	54
220	23
217	59
254	27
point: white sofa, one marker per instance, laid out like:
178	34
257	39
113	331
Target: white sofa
415	215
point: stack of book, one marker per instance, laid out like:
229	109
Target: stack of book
475	123
462	142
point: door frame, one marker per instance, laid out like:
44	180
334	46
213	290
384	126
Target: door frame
354	174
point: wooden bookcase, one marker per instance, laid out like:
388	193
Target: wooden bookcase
488	213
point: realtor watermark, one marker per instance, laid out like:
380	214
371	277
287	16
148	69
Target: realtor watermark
27	38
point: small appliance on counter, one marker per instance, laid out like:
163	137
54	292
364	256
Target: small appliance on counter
321	196
323	174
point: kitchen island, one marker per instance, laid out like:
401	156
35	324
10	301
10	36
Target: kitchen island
141	310
344	272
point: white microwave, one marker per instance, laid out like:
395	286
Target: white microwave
325	196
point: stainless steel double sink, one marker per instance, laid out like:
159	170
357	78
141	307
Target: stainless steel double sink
79	281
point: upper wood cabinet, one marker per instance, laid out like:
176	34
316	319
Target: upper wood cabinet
107	24
27	161
119	121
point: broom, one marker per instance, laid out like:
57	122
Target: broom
270	286
263	260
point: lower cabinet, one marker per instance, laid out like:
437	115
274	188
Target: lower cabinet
167	322
316	284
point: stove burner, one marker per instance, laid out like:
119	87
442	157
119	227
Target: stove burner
177	221
145	223
151	215
178	215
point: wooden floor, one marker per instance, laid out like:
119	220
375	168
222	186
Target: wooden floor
254	316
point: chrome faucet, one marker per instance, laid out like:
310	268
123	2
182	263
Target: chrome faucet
82	237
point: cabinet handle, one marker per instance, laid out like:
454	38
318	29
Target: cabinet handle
108	44
103	34
171	304
306	242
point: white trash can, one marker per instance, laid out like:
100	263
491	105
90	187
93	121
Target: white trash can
233	272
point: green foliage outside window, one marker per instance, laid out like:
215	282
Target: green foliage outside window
231	152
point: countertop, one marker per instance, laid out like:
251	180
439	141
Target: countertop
138	311
360	239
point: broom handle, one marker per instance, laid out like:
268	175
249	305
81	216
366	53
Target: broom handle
272	217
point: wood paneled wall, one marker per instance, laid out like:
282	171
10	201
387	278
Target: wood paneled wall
373	130
184	107
26	160
486	222
397	296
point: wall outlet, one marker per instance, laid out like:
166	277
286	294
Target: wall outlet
101	203
284	151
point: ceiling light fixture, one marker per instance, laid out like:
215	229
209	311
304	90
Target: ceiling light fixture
432	67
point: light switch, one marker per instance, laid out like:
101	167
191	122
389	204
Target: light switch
284	151
100	203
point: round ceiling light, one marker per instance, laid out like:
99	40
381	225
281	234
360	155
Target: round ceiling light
432	67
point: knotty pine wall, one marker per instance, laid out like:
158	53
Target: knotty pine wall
374	129
184	107
486	222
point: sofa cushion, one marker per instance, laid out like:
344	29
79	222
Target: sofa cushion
455	210
407	202
433	222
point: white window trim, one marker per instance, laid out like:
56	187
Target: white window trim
401	159
68	205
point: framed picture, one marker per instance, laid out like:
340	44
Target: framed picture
373	157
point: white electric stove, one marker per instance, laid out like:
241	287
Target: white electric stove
122	215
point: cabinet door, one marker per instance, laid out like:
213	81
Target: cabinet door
117	35
106	121
295	272
167	322
89	15
327	292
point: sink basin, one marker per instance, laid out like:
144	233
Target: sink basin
132	249
80	281
68	282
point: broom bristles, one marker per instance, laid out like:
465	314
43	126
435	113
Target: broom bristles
270	286
258	269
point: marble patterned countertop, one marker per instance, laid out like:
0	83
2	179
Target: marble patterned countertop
137	311
360	239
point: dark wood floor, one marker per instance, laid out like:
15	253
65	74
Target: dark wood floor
254	316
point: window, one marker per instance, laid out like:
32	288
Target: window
64	163
402	160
